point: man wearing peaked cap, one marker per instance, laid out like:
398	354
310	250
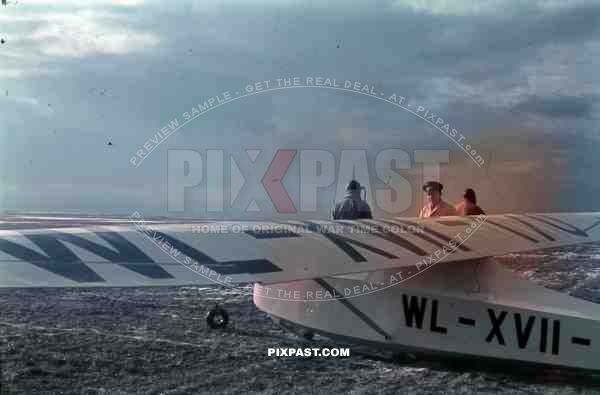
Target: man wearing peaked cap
432	185
435	206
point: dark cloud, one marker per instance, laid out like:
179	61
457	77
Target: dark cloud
467	37
557	106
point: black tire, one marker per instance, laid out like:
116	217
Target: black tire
217	318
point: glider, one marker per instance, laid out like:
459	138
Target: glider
400	284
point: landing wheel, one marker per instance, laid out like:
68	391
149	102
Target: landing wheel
217	318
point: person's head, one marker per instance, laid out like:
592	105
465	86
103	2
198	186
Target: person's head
353	186
433	191
470	196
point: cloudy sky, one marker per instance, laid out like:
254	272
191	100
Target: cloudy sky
518	79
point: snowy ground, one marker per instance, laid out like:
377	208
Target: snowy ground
155	341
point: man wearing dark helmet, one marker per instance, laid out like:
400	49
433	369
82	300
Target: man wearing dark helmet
352	206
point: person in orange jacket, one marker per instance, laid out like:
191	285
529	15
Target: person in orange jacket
435	206
469	206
